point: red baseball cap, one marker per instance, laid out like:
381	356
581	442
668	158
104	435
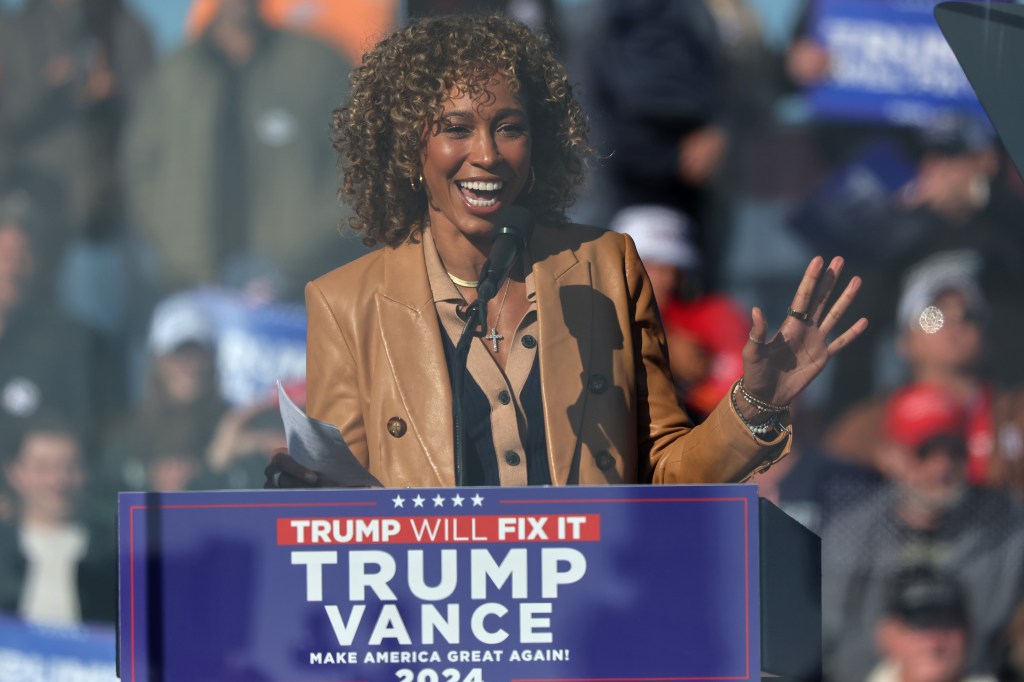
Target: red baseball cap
920	412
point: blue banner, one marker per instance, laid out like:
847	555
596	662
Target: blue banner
32	653
257	344
432	585
889	63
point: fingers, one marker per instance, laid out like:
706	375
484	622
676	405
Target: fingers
848	336
823	290
802	299
842	304
284	472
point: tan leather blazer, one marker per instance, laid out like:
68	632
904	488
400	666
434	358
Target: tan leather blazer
374	353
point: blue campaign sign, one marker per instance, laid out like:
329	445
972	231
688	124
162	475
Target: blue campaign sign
888	63
432	585
30	653
257	344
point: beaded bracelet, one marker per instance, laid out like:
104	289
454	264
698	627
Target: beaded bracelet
757	402
770	427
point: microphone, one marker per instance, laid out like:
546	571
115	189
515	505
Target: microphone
510	239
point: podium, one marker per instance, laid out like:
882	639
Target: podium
466	585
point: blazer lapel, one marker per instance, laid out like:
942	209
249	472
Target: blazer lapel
564	315
412	343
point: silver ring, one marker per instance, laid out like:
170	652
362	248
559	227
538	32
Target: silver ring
803	317
752	338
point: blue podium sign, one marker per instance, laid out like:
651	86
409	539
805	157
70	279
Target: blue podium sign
440	585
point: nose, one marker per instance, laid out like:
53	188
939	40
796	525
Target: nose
485	150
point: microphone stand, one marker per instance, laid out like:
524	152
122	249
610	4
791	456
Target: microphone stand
513	235
476	327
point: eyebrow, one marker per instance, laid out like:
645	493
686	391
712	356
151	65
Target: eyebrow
500	113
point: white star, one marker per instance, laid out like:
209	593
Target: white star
398	500
417	501
438	501
477	500
457	500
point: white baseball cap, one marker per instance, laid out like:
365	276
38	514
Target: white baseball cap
178	320
936	275
661	234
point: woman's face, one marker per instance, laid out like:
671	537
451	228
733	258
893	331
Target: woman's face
476	159
185	372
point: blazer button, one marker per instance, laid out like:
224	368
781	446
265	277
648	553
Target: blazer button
604	460
529	341
504	398
396	427
597	383
512	458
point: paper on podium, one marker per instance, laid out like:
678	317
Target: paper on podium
319	446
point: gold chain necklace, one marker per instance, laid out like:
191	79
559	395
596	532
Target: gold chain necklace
468	283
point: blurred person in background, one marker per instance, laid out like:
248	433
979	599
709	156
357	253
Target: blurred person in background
949	195
241	447
659	70
811	485
57	564
943	317
750	86
225	156
540	15
49	363
926	514
71	71
705	332
681	87
924	633
351	26
171	460
163	441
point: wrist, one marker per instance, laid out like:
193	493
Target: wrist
758	403
748	411
764	420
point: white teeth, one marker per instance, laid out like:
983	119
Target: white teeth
486	186
480	203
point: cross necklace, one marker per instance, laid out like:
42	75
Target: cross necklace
494	336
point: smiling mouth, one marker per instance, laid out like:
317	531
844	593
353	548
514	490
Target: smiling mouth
479	193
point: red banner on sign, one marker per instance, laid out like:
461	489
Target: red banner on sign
439	529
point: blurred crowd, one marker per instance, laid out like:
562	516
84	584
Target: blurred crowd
132	177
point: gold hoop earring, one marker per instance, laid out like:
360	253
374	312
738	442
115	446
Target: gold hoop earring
533	180
416	184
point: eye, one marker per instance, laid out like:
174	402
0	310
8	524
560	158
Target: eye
512	130
455	129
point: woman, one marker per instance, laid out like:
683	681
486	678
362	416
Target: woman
450	122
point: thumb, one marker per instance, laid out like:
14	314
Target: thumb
758	326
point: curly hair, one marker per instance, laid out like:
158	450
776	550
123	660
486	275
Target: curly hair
398	91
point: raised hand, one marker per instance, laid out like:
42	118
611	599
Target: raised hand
777	370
